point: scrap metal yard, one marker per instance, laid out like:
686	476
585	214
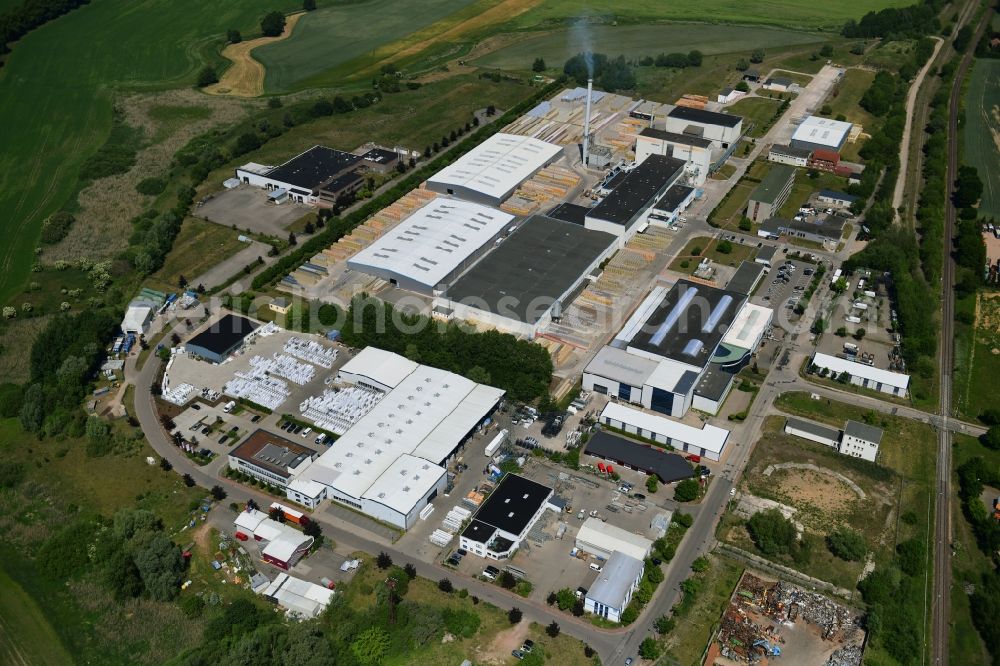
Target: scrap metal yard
768	622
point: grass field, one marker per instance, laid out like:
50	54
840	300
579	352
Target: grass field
61	105
26	637
977	355
758	110
636	41
708	248
199	246
789	13
982	131
336	34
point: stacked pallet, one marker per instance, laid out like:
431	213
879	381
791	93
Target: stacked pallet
374	228
553	183
692	101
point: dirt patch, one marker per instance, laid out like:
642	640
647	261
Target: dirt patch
246	77
102	226
809	487
485	47
503	644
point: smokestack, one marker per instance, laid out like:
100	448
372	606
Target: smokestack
586	124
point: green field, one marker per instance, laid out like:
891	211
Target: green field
60	102
982	131
977	357
26	637
636	41
788	13
334	35
758	110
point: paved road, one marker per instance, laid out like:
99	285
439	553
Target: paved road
942	528
904	145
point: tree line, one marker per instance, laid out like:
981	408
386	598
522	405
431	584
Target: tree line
522	369
897	22
973	477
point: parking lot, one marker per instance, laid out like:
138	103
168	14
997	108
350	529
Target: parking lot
782	288
246	209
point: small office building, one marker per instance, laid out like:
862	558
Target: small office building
858	440
771	193
602	539
820	229
796	157
269	458
835	198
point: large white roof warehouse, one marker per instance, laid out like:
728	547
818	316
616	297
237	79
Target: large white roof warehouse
435	243
865	375
492	170
389	463
823	133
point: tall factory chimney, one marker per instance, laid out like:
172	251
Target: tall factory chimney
586	124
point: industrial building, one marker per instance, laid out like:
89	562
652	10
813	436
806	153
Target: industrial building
610	594
670	206
390	463
317	175
602	539
746	278
137	317
681	348
529	279
302	599
668	467
271	459
858	440
765	255
623	211
281	545
834	198
820	229
816	133
433	245
506	517
771	193
861	374
707	442
720	128
221	338
796	157
491	171
694	151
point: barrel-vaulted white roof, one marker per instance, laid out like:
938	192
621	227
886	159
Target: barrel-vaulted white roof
433	241
426	415
496	166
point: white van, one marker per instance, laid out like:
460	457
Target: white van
305	433
595	566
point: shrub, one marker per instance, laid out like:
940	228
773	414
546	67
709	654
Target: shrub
553	629
383	560
685	520
725	247
207	76
687	490
461	622
649	648
772	533
151	186
514	615
846	544
445	585
55	228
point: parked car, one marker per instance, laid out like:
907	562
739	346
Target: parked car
638	496
256	417
528	645
196	407
518	654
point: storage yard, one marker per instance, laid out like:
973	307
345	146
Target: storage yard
770	621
